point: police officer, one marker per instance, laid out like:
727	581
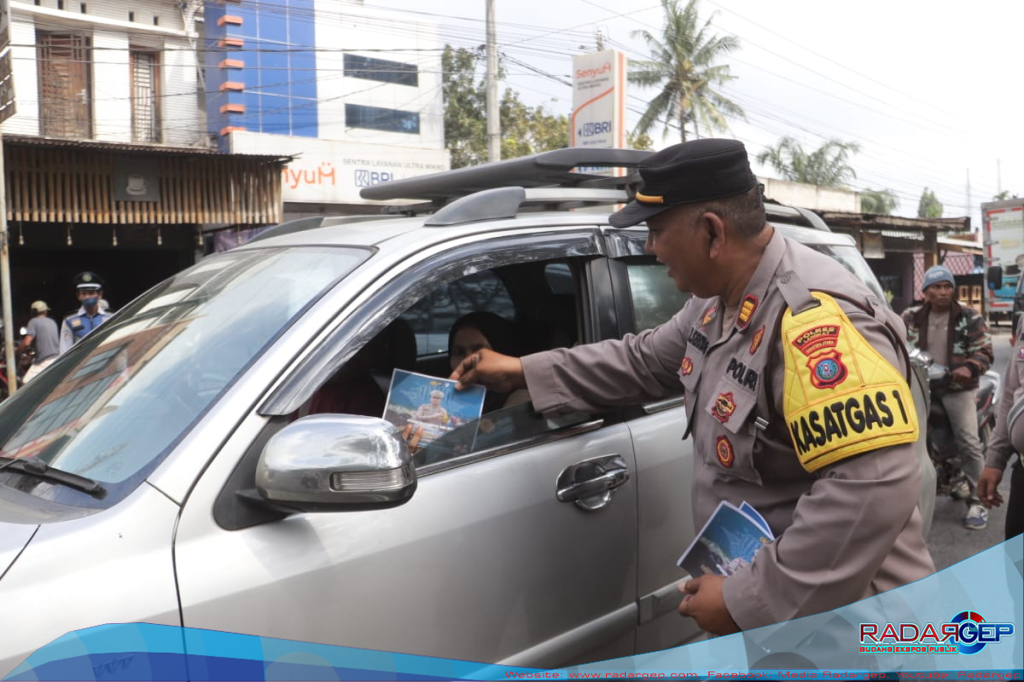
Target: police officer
795	378
89	289
1008	439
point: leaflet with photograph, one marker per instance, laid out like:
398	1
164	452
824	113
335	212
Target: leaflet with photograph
426	408
756	517
726	543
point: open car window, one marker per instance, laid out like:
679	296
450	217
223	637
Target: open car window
541	304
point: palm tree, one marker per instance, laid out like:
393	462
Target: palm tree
826	166
683	65
878	201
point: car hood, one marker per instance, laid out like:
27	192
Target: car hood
13	538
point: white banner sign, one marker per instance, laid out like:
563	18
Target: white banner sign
598	102
329	172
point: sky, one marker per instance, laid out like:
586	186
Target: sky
930	90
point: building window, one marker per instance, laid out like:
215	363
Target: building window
145	69
381	70
65	85
377	118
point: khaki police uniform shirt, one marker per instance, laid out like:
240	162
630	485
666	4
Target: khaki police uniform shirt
847	531
1000	445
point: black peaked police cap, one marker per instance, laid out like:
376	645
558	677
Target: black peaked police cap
686	173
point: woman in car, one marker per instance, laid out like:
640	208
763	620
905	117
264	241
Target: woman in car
475	331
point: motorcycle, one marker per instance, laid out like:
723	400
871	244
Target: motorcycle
949	477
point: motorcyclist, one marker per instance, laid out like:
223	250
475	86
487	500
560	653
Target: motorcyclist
956	336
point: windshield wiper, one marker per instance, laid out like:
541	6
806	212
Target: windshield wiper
31	466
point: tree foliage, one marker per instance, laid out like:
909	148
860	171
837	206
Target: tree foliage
524	129
684	66
826	166
465	107
1004	195
929	206
878	201
641	141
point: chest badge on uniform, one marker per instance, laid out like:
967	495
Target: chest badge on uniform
724	451
725	405
710	315
755	343
686	368
746	310
75	322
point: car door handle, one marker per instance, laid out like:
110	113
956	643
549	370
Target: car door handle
589	484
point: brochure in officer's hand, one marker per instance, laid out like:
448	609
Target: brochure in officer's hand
425	408
727	542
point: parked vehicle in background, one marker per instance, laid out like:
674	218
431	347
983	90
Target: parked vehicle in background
1003	230
164	469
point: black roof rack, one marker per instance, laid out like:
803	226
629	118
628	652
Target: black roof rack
554	168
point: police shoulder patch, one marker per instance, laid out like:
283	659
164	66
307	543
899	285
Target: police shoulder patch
841	396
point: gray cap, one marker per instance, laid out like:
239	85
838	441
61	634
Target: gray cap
936	274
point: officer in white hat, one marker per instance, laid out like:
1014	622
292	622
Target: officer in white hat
77	325
43	337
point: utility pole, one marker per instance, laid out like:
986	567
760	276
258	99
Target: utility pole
5	285
493	116
969	208
999	176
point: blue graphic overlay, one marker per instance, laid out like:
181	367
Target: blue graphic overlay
821	647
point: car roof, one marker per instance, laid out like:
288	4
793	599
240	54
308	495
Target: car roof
374	231
531	192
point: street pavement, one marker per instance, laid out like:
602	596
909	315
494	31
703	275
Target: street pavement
948	540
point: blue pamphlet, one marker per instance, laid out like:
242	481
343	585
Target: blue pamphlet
727	542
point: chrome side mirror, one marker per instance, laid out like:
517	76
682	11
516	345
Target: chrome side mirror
336	462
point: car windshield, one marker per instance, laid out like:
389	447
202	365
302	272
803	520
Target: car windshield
115	404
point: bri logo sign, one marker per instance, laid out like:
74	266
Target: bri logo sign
966	633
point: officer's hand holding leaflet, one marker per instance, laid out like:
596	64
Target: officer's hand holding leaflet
493	370
703	601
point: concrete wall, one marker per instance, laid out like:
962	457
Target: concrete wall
366	33
811	196
156	25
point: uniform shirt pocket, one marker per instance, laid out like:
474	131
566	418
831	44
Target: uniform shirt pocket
732	410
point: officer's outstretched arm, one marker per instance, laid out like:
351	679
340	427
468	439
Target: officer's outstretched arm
588	378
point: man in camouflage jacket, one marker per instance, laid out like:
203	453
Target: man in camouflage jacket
956	336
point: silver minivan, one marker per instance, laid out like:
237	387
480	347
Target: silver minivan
172	467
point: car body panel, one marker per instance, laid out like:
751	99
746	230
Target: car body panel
112	567
481	564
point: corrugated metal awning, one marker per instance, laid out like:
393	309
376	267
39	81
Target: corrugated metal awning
131	147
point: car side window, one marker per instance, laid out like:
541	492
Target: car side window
431	317
540	306
653	293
